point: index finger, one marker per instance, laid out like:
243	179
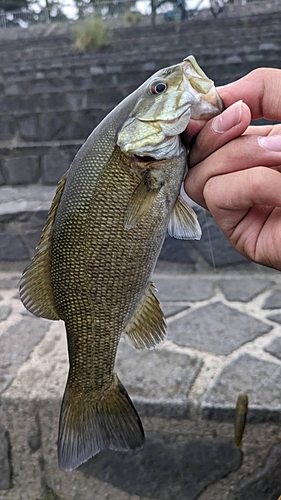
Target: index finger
260	90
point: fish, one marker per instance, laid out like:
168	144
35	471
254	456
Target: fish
240	418
99	247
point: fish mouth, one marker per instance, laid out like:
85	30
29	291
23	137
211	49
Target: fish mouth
144	159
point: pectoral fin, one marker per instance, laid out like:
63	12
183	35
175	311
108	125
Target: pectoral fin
143	197
183	223
147	327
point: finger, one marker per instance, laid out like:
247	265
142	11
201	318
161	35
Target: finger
241	203
239	154
220	130
263	129
260	90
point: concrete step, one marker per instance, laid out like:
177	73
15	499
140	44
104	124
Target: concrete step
147	38
24	209
31	163
88	73
21	129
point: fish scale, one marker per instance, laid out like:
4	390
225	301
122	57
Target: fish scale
99	247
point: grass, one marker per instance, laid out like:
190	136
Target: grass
91	33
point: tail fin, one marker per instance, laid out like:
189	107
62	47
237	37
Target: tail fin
88	426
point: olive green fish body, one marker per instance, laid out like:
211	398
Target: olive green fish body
103	235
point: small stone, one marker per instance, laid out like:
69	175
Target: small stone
4	312
96	70
274	348
259	379
158	381
263	483
234	60
172	309
273	301
29	129
275	317
268	46
216	328
54	165
12	247
243	290
5	462
21	170
50	125
168	467
183	289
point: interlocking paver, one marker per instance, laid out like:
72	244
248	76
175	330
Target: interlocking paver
216	328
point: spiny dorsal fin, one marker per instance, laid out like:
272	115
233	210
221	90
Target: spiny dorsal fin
183	223
35	285
147	327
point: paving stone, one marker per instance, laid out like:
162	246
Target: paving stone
171	309
4	312
50	125
275	317
243	290
16	345
273	301
260	379
21	170
183	289
2	178
158	381
177	251
214	244
29	129
12	247
216	328
274	347
54	165
263	484
234	60
5	464
169	467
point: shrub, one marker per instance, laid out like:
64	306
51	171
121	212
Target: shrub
91	33
132	18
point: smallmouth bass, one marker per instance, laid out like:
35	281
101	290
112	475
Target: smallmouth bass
103	235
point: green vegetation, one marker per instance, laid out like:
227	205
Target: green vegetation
131	18
91	33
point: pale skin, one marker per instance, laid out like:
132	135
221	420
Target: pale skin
235	169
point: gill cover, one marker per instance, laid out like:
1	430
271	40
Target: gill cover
169	99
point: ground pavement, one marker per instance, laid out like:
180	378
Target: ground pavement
224	338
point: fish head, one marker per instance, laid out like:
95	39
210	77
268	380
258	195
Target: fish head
165	103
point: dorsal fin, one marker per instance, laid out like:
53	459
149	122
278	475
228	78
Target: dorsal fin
35	286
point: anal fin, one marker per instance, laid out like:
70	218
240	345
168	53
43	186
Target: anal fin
183	223
147	327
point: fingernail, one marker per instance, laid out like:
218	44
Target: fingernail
228	119
271	142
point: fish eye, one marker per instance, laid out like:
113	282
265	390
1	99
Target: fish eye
158	87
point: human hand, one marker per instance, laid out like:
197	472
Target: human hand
235	169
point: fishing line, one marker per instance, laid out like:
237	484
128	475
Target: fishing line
210	243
